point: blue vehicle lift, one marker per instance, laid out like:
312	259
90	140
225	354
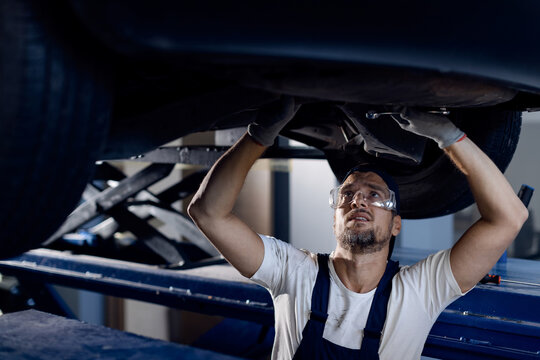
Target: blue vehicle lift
490	322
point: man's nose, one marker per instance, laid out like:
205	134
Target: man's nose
359	200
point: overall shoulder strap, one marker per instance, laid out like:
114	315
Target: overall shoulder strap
377	313
321	290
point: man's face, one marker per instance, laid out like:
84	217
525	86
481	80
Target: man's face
359	226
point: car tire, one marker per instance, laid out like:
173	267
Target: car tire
55	104
436	187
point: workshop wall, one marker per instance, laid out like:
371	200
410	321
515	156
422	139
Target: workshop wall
311	218
524	169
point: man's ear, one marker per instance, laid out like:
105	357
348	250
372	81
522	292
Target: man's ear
396	226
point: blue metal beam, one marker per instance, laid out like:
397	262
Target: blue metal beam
174	288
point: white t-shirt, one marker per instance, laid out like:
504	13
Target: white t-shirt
419	294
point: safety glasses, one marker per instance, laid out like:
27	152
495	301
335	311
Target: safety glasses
344	195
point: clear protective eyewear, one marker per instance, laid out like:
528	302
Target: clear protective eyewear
344	195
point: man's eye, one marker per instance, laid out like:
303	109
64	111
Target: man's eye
375	194
347	195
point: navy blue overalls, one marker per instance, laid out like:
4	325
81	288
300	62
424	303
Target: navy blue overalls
314	346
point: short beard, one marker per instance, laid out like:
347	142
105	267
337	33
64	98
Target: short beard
364	242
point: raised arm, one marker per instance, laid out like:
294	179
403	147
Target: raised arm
502	212
502	215
211	207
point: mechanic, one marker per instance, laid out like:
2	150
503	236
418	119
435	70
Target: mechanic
354	302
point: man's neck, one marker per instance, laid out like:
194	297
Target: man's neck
360	273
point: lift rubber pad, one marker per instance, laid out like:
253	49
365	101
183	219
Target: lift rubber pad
33	334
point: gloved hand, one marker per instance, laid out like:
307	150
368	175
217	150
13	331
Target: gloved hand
433	126
271	119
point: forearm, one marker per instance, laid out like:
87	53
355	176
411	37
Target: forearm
495	198
220	188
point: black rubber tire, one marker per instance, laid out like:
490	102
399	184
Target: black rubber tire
437	187
54	104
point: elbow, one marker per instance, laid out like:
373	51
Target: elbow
518	218
521	217
202	214
510	222
195	210
205	213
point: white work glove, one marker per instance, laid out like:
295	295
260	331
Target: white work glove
433	126
271	119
